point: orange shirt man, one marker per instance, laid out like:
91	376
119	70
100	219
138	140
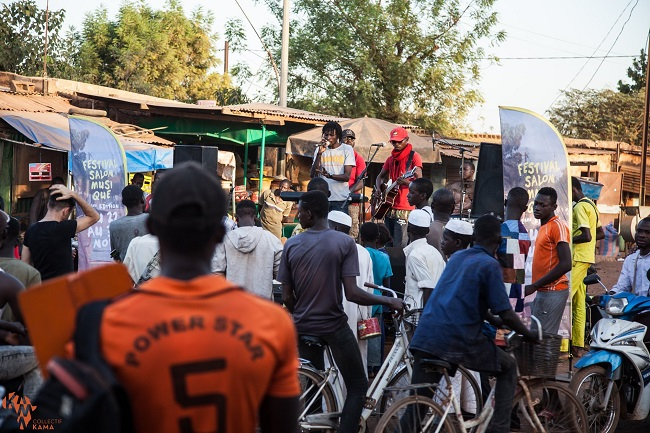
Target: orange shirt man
193	351
551	262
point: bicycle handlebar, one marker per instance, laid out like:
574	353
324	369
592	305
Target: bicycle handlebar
382	288
539	330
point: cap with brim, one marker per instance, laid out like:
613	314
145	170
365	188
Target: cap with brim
398	134
420	218
188	185
339	217
459	227
348	133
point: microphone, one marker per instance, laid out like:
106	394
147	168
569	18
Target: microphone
377	144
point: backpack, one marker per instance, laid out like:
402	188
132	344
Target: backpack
81	395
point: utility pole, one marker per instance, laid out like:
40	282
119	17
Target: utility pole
47	17
225	58
284	62
644	141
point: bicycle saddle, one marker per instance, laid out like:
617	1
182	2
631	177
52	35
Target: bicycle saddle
435	364
311	340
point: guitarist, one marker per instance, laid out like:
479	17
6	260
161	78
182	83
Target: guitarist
402	159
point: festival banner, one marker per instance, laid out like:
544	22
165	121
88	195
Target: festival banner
99	172
534	156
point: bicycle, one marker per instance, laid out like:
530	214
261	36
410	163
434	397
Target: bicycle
540	406
322	394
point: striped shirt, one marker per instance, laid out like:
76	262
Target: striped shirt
545	255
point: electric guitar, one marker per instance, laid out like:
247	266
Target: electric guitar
381	205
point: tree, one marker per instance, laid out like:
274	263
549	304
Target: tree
637	74
406	61
161	53
600	115
22	39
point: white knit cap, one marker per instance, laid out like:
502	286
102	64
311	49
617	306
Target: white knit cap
420	218
460	227
340	217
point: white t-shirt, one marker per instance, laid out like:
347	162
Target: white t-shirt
334	161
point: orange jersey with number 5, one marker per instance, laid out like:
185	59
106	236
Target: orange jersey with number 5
199	355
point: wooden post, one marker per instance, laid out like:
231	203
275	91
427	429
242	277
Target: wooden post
644	141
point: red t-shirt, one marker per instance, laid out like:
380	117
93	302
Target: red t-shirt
357	169
401	202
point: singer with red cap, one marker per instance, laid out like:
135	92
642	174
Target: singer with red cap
402	160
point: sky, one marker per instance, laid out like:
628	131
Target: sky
536	30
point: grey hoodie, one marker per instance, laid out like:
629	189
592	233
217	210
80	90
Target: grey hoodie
249	257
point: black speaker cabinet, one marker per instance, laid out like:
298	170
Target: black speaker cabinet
488	188
204	155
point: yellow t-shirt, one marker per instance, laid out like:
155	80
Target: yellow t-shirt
585	215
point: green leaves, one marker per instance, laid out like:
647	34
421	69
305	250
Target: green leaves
600	115
22	39
161	53
407	61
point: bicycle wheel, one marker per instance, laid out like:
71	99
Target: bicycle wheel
416	414
557	409
465	386
310	403
590	385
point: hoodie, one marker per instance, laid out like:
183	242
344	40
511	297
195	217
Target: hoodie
249	257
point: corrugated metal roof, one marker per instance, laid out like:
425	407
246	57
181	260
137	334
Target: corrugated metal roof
36	103
275	110
33	103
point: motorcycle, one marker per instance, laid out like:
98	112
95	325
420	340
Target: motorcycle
613	379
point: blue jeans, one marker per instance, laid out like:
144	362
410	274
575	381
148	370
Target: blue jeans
348	359
503	394
17	361
397	229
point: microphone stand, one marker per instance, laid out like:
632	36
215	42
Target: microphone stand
362	177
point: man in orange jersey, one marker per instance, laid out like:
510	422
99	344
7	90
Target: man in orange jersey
551	262
194	351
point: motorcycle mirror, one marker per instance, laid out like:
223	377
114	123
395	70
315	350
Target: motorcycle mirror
595	278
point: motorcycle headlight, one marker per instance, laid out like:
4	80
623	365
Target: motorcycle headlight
615	306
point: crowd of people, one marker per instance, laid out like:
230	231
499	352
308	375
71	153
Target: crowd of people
204	285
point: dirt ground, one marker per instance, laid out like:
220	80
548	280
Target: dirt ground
609	269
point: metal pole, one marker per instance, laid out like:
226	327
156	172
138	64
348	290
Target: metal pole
284	61
262	159
47	16
225	57
246	165
644	141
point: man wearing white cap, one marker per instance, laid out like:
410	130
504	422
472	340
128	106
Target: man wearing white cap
424	263
342	222
456	236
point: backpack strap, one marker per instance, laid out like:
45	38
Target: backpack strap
86	336
586	200
88	350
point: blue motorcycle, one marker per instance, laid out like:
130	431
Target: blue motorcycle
613	379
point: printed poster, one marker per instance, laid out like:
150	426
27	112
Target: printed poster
99	171
534	156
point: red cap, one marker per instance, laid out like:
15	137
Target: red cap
398	134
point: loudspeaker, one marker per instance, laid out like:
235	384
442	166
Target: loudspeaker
204	155
488	188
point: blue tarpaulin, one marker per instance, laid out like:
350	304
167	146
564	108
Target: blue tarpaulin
52	130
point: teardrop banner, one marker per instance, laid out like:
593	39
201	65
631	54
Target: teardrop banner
99	172
535	156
